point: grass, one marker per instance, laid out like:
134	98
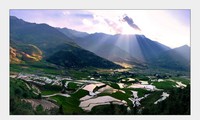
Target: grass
34	68
70	104
79	74
111	109
114	85
46	92
72	85
183	80
49	88
141	77
118	95
166	85
80	93
19	89
153	97
141	92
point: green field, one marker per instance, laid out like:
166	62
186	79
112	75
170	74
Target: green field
70	105
50	92
118	95
141	92
153	97
183	80
35	68
166	85
80	93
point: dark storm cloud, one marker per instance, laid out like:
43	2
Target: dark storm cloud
131	23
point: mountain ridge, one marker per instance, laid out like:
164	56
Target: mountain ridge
48	39
137	50
131	47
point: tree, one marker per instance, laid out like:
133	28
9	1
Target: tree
40	110
61	110
178	103
39	96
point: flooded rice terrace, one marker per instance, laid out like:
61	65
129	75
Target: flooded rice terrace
127	92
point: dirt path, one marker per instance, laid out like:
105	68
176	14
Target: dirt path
65	95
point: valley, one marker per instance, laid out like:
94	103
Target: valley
85	91
56	71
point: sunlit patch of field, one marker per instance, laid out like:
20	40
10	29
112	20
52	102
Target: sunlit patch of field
125	65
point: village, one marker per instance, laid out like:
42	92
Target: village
98	91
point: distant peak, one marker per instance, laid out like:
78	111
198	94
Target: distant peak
15	18
185	46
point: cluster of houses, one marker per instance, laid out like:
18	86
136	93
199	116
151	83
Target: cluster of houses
41	80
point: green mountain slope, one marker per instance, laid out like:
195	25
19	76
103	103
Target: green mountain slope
20	53
76	57
172	59
41	35
133	49
48	42
103	45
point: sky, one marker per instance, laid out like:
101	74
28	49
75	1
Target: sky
169	27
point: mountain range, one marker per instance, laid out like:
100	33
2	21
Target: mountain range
71	48
136	50
177	59
52	44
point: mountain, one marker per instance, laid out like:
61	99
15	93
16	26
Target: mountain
72	33
184	51
20	53
33	54
177	59
31	39
149	49
76	57
41	35
136	48
103	49
35	42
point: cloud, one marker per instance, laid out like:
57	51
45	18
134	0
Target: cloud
87	22
78	14
107	24
113	26
130	22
